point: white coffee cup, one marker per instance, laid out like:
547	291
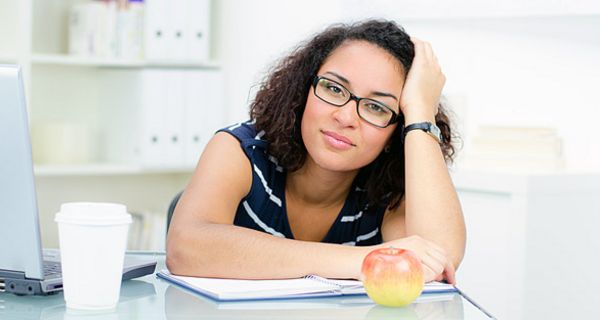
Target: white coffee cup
93	239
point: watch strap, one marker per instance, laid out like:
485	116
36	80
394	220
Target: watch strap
427	127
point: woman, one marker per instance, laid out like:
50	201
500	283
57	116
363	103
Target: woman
340	158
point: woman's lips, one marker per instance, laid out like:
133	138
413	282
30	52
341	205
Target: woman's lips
337	141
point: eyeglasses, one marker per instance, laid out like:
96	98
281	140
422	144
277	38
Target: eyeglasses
372	111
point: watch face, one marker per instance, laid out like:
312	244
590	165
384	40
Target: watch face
436	132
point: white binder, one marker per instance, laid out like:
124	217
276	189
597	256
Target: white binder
198	30
176	31
204	113
152	138
155	26
174	117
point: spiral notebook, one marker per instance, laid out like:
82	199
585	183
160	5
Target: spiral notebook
310	286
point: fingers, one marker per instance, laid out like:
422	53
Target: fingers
424	50
435	261
433	264
450	273
436	267
448	270
430	275
448	267
429	52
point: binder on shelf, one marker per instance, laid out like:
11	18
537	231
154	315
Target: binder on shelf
197	28
130	29
180	111
155	28
176	31
204	111
152	143
92	29
174	117
147	232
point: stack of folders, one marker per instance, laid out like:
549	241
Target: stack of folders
147	232
109	29
310	286
157	30
515	149
178	113
177	30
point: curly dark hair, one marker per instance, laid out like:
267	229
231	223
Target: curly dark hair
280	102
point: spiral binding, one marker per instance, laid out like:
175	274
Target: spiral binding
323	280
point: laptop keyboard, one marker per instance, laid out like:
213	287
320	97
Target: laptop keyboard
51	268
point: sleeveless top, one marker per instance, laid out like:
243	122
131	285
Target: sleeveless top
264	208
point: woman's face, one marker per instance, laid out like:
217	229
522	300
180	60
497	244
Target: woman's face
337	138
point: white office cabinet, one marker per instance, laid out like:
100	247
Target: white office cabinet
101	101
532	243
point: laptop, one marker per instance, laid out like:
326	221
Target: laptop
25	269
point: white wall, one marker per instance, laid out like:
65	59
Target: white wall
525	72
249	36
517	63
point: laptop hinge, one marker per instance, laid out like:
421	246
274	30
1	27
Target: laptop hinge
15	282
12	274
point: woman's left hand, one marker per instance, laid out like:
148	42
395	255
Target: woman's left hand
423	87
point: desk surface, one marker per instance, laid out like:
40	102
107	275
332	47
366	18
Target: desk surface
152	298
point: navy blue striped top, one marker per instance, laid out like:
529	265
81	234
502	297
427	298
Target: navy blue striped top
264	208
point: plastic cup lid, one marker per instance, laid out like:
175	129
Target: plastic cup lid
93	213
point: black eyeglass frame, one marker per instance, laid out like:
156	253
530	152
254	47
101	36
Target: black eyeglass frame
395	117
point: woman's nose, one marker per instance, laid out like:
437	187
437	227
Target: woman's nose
346	115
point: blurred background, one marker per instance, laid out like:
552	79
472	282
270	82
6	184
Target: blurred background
123	95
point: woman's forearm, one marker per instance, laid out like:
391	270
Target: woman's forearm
226	251
433	210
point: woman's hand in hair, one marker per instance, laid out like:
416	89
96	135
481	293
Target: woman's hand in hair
437	265
421	93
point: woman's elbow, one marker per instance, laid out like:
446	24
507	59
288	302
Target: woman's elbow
175	255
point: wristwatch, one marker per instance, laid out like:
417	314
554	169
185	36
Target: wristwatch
428	127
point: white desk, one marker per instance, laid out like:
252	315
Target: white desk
152	298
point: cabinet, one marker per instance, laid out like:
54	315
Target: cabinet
532	243
82	117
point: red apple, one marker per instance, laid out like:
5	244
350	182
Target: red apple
392	277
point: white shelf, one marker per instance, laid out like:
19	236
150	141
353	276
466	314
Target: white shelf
523	183
101	169
68	60
8	58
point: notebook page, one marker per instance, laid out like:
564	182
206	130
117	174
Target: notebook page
356	286
239	289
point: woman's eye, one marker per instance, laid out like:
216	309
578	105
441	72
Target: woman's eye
376	108
335	89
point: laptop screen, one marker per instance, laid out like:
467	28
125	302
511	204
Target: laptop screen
20	244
